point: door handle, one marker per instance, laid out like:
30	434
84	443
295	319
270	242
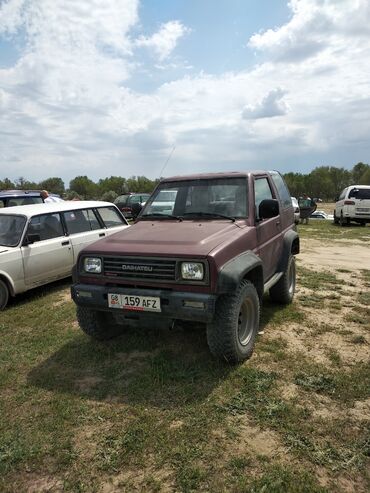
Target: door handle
277	222
64	243
101	234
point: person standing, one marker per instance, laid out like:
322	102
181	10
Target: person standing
50	198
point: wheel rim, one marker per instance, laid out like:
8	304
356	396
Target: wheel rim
291	278
246	321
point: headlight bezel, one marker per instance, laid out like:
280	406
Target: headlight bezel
99	264
192	271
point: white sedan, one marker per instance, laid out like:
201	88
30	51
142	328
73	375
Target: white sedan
40	243
321	215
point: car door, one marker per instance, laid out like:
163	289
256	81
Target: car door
268	231
84	226
50	256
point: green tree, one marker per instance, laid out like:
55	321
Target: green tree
54	185
84	187
114	183
6	184
365	178
358	171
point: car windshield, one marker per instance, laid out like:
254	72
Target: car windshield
204	198
11	229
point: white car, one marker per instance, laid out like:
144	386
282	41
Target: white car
353	204
321	215
39	243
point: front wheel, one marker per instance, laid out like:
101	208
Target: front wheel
283	291
97	324
4	295
232	333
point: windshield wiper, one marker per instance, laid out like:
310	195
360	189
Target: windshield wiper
209	214
158	215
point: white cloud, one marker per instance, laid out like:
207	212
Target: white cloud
165	40
66	108
271	105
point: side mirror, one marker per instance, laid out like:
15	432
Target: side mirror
136	209
31	238
268	208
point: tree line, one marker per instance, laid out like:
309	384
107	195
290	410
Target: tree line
325	182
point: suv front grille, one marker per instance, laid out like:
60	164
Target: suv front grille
140	268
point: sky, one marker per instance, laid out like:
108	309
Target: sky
116	87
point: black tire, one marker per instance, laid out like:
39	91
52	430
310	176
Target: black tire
232	332
283	291
336	220
344	221
4	295
97	324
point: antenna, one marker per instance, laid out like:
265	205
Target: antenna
165	164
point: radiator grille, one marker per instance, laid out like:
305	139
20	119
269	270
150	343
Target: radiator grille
140	268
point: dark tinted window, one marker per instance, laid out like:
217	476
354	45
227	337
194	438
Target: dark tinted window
262	191
360	193
47	226
111	217
82	220
121	199
282	189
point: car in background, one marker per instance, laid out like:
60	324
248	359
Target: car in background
39	243
128	203
162	202
12	198
353	204
296	210
321	215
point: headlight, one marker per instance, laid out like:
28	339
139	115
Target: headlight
92	265
192	270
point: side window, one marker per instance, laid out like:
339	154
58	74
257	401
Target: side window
282	189
47	226
81	220
262	191
134	199
343	194
111	217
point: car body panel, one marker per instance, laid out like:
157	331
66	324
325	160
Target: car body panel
37	260
354	206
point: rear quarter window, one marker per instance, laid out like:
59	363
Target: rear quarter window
282	190
111	217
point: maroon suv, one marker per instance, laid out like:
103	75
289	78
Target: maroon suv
206	253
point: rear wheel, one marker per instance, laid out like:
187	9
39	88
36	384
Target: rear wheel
232	333
97	324
4	295
283	290
336	220
344	221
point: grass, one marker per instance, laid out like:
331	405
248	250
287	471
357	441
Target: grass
327	231
153	411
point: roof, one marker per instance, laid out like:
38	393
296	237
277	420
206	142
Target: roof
19	193
67	205
213	176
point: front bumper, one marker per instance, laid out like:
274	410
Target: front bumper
174	305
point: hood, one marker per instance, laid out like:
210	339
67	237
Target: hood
167	238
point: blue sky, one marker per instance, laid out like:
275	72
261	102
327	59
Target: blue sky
110	88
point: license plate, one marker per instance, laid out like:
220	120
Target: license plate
134	303
362	209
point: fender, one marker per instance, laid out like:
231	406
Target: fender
236	269
290	246
8	281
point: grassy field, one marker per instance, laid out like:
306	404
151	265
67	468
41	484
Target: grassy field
152	411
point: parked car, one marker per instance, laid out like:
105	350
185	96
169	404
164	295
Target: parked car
40	243
321	215
229	237
353	204
12	198
296	210
126	203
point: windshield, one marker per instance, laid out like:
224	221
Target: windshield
205	198
11	229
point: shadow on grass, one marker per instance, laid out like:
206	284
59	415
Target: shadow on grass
39	292
145	367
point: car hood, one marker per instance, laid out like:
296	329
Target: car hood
167	238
